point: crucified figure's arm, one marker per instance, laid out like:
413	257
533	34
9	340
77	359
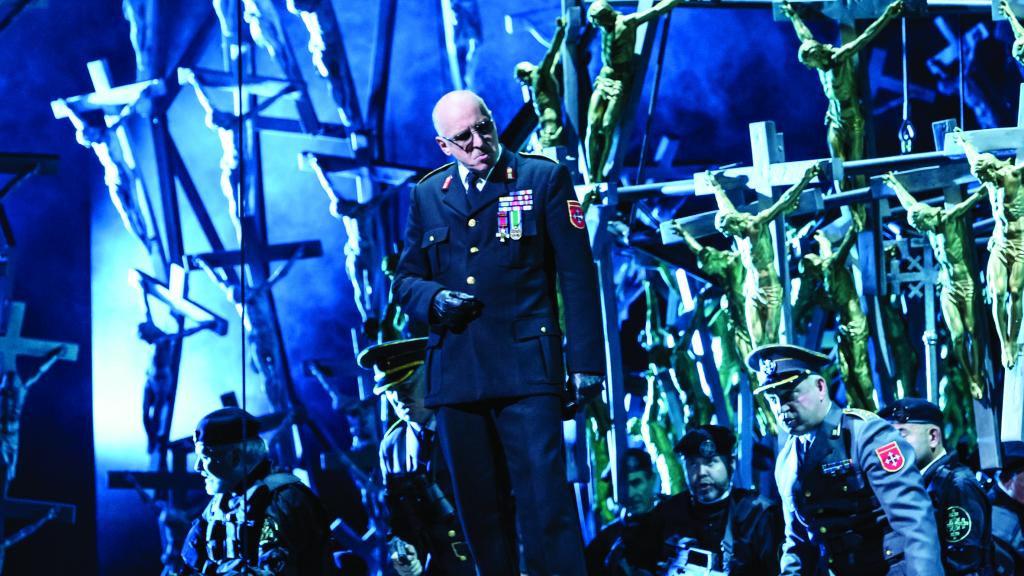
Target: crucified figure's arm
869	33
802	31
789	198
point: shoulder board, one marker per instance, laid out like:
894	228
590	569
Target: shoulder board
537	156
860	414
279	480
435	171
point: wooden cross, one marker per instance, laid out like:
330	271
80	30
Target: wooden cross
13	346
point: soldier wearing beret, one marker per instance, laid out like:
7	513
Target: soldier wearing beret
424	535
740	528
258	522
963	514
852	498
488	239
1007	497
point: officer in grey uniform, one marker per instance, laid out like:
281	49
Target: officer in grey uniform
962	512
852	499
258	522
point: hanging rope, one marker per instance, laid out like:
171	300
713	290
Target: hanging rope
907	133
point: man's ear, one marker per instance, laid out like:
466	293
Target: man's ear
935	436
443	145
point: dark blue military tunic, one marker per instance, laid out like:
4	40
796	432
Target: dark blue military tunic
1007	515
963	516
856	505
452	242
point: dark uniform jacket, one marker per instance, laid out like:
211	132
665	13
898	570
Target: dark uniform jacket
963	516
514	348
744	529
1007	519
418	496
277	525
856	504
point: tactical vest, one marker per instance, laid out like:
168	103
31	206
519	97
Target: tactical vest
840	510
235	530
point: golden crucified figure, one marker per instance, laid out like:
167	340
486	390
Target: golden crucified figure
1001	180
844	117
762	287
947	234
1018	30
613	83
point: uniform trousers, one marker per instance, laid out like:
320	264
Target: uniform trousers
513	445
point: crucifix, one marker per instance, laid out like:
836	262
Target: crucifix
252	296
359	192
13	392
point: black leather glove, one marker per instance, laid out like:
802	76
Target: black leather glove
580	389
454	309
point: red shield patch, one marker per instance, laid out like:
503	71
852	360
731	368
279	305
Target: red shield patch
891	457
576	215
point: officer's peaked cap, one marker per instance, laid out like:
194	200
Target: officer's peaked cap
781	365
393	362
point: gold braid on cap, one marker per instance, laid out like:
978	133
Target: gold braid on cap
411	367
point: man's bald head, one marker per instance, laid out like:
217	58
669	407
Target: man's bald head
455	102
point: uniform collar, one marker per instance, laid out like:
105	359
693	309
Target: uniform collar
464	172
929	471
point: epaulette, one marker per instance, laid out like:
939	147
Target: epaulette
537	156
860	414
435	171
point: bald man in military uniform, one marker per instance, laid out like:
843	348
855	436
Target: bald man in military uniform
962	511
852	498
486	238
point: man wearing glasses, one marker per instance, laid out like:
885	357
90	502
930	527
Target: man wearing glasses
852	498
487	236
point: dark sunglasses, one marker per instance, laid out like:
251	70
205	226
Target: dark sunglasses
483	128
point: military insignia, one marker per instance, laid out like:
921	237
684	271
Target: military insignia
447	183
576	215
268	534
502	233
891	457
958	524
515	229
510	174
837	468
707	449
768	367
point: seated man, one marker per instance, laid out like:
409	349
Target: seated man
425	537
258	522
962	513
1007	498
642	488
740	529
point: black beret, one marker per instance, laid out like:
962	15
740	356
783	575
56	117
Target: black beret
912	411
227	426
779	365
393	362
1013	456
707	441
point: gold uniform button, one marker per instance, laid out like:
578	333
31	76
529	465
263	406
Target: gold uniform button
431	238
845	489
822	529
543	329
888	552
472	222
473	250
807	494
451	533
470	280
